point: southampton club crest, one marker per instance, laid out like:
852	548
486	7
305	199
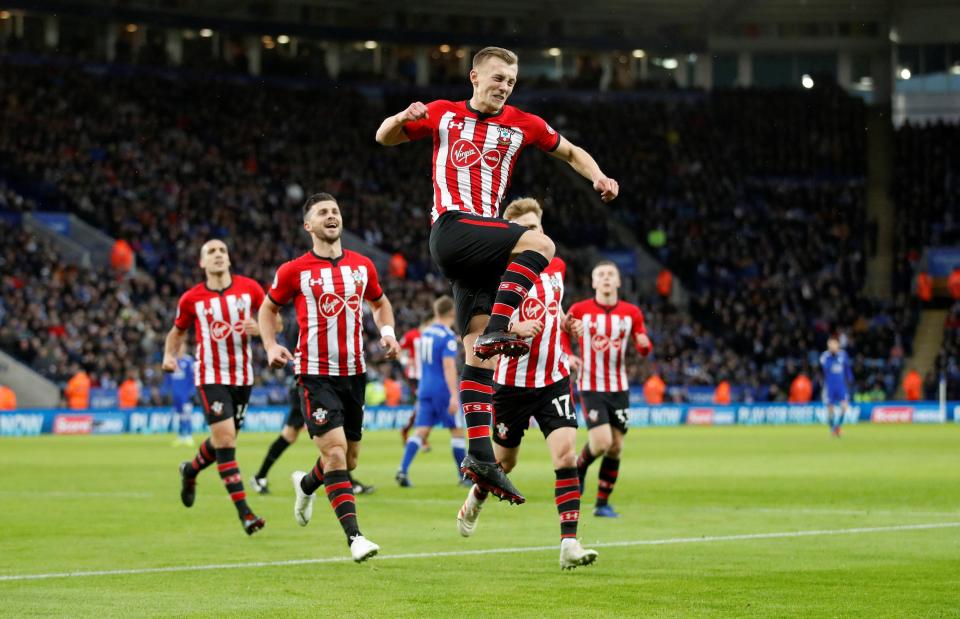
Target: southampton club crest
358	279
319	416
505	135
502	431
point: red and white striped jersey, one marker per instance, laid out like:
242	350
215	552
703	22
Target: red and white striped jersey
547	362
474	153
223	348
327	294
410	354
607	331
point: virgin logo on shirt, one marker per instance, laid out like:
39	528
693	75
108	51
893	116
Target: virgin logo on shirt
600	342
534	309
220	330
466	154
331	304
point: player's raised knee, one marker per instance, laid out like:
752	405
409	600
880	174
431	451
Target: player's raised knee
538	242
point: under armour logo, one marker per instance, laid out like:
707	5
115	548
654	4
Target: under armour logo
315	282
455	124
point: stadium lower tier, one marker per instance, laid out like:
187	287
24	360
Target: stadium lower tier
271	418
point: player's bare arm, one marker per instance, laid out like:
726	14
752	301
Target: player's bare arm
383	316
391	132
570	325
642	341
587	167
172	344
527	328
269	321
450	376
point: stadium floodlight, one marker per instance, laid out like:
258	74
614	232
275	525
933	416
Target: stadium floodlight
4	14
955	69
283	39
371	44
553	51
131	28
444	49
670	63
905	73
806	81
206	33
639	53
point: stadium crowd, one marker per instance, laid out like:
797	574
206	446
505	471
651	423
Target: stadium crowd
763	222
926	191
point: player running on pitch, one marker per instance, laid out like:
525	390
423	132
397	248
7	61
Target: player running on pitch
491	263
538	385
437	394
221	309
609	327
327	286
837	380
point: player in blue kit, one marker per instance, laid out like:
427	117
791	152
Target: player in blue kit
180	385
837	381
437	395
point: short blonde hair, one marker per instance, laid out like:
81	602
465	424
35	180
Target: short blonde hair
443	306
494	52
522	206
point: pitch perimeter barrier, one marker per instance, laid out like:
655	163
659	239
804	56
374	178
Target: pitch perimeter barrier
271	418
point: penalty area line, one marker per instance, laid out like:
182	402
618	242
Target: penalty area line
487	551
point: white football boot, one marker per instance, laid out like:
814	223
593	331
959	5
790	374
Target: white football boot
469	513
572	554
303	505
362	549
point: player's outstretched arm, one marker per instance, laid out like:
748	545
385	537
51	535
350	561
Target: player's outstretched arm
585	165
391	132
383	316
171	346
268	319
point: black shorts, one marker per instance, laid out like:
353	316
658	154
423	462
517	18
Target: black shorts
224	402
473	252
295	414
333	402
513	407
600	407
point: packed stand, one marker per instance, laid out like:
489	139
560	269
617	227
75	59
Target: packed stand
237	162
762	218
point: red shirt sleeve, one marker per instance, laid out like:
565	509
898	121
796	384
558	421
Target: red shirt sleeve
185	313
419	129
283	288
640	328
373	291
544	136
256	297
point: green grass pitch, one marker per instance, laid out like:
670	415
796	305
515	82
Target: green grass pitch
695	503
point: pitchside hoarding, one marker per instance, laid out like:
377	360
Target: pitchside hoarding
271	418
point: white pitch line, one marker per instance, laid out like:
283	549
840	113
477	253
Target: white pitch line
827	511
487	551
76	494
